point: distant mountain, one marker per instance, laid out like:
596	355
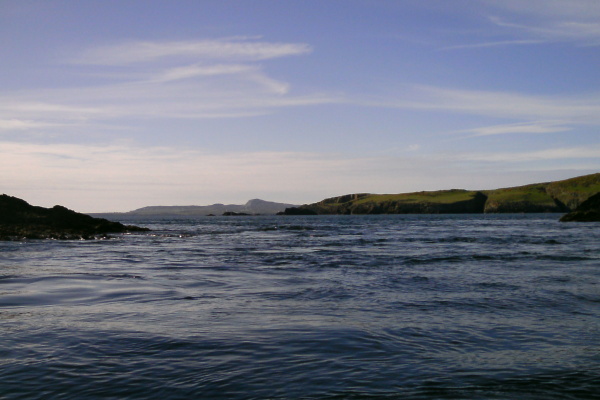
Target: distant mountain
254	206
558	196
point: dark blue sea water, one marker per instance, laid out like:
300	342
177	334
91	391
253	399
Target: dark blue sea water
344	307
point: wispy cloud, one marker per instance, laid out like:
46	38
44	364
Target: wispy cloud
563	153
13	105
20	113
535	127
247	72
579	109
236	48
499	43
550	9
23	125
587	33
575	21
216	78
536	22
193	71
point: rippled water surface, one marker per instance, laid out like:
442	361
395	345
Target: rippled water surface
345	307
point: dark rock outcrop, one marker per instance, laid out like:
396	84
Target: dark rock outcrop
19	219
297	211
588	211
442	202
474	205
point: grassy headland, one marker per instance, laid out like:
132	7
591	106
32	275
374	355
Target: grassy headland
558	196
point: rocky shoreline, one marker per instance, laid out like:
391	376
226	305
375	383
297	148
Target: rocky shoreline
19	220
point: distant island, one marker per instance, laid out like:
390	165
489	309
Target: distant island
550	197
20	220
252	207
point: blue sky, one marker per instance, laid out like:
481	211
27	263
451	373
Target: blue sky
114	105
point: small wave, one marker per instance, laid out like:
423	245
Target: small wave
560	257
552	241
497	285
124	276
298	228
323	293
433	259
457	239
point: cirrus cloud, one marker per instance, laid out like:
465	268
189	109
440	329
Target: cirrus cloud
237	48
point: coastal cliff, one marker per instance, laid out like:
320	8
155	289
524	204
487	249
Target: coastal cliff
524	199
440	202
588	211
557	197
20	220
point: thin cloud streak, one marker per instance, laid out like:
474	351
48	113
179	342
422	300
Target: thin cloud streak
575	109
23	125
550	9
252	94
256	94
538	22
494	44
573	21
193	71
228	48
147	88
587	33
535	127
203	89
564	153
11	104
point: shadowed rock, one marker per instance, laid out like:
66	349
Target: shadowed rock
20	220
297	211
588	211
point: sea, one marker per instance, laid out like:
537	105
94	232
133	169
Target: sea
306	307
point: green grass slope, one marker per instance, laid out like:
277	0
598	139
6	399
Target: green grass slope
572	192
530	198
443	201
558	196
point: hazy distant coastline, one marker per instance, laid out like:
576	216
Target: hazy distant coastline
253	207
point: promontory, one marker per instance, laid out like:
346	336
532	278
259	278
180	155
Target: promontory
20	220
553	197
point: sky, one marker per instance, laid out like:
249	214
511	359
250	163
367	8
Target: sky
111	105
